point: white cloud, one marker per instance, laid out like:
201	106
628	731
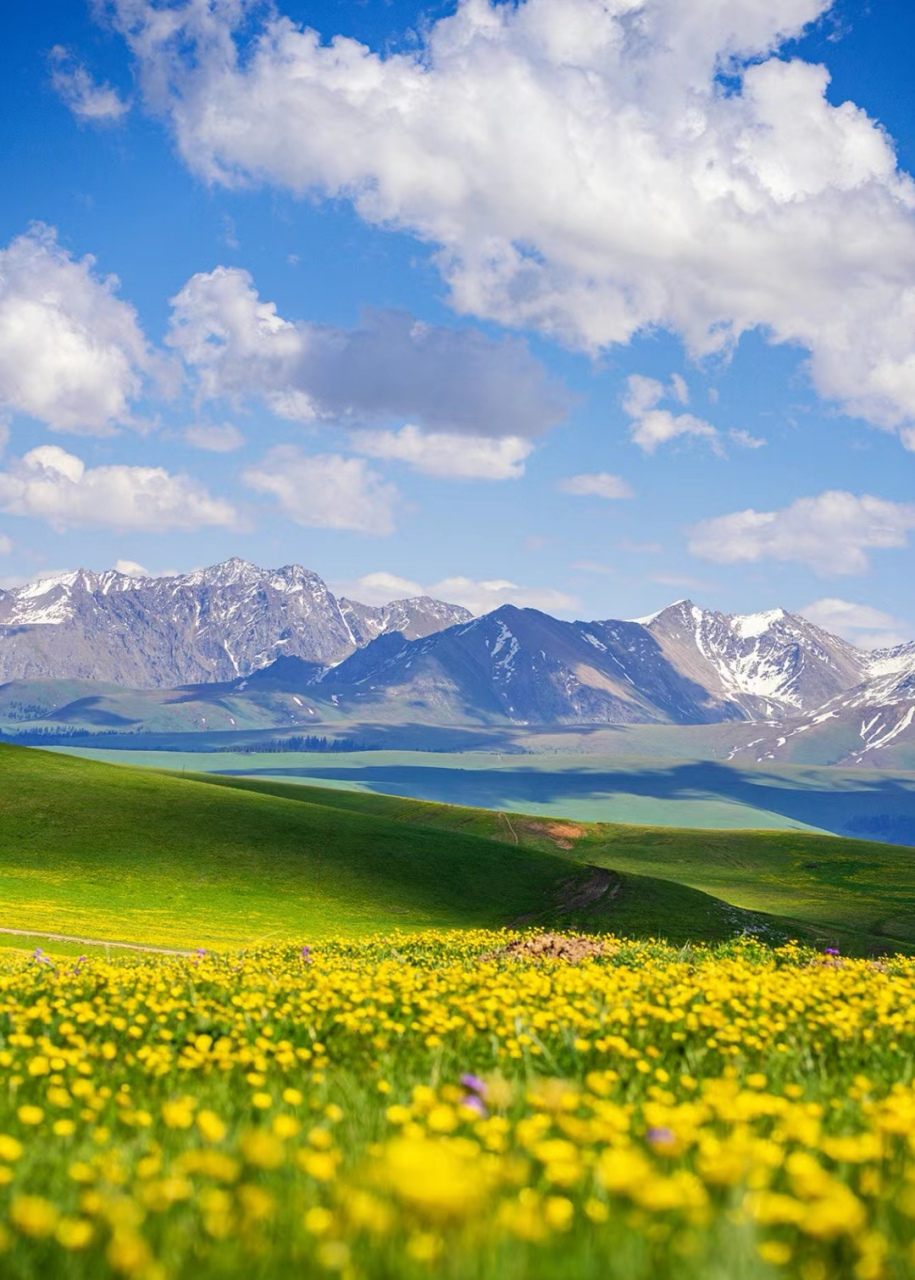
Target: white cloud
600	485
860	623
71	352
222	437
90	102
448	381
446	455
6	545
4	437
130	569
831	533
744	439
679	389
479	597
483	597
657	426
652	426
58	487
325	490
379	588
581	168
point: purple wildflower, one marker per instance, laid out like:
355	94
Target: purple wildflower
660	1137
475	1104
474	1084
832	951
305	953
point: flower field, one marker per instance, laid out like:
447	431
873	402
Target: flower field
428	1105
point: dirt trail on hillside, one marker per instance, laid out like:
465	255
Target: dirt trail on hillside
93	942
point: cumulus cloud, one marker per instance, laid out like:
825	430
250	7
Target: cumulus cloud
379	588
863	625
223	437
580	167
600	485
448	455
130	569
71	352
452	381
325	490
832	533
652	426
477	596
58	487
484	596
6	545
89	101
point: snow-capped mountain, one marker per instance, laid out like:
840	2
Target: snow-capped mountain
523	666
413	618
683	665
283	632
871	723
769	664
214	624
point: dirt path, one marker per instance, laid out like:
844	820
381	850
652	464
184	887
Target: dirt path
93	942
505	818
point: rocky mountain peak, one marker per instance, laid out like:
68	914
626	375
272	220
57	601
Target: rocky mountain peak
213	624
769	663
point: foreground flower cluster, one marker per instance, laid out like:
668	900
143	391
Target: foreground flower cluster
418	1106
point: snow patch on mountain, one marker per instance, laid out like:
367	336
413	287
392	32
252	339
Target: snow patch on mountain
213	624
769	664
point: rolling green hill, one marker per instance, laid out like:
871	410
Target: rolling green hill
822	883
96	850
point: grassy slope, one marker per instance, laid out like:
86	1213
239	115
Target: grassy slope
109	852
94	850
837	887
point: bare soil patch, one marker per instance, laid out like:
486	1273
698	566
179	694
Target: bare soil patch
551	946
563	834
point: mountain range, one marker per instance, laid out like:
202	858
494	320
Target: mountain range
276	646
211	625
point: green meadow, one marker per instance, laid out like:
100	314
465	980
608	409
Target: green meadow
94	850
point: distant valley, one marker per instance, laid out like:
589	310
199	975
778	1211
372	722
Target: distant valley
235	649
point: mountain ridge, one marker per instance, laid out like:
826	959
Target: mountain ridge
213	624
683	665
281	635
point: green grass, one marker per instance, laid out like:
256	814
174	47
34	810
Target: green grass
145	856
857	892
97	850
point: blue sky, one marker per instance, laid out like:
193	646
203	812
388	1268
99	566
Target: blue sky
582	305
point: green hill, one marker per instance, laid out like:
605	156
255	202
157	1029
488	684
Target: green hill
96	850
858	891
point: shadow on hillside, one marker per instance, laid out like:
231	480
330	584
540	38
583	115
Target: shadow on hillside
871	808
